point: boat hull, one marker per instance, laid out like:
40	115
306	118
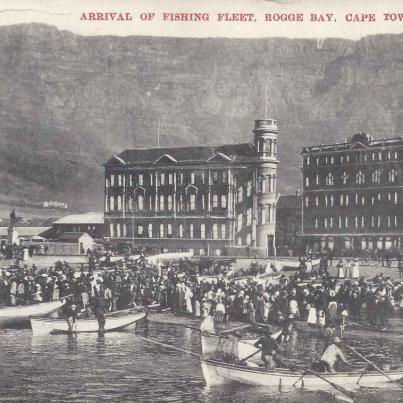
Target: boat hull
44	326
18	316
218	373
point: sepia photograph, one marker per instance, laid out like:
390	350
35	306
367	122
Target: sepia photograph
201	201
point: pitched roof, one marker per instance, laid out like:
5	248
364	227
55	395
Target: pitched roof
71	236
87	218
184	154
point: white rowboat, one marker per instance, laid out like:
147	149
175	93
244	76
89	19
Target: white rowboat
19	315
219	373
44	326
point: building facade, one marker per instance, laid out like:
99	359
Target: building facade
214	200
352	196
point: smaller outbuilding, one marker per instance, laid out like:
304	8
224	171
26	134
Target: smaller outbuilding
91	223
71	244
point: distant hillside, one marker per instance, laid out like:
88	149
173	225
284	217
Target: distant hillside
67	102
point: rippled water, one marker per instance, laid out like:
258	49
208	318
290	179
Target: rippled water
124	367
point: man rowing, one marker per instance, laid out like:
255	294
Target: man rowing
330	357
268	345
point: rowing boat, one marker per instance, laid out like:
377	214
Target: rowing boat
43	326
14	316
211	344
218	373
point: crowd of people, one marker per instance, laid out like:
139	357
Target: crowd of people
310	294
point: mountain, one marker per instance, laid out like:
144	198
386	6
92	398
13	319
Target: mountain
69	102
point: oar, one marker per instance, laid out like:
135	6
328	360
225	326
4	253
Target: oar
115	312
169	346
250	356
371	363
342	390
234	329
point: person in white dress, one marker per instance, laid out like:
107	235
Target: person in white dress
347	272
188	299
340	270
312	316
356	270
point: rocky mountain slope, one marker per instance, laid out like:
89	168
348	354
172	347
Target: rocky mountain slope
68	102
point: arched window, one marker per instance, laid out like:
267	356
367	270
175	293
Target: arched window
239	222
240	194
119	203
161	230
262	215
360	178
191	230
248	189
223	201
329	179
215	231
392	175
203	231
223	231
169	202
180	230
192	202
376	176
215	201
162	203
140	202
111	203
344	178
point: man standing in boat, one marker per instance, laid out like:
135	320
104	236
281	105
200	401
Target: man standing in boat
99	312
268	345
71	317
330	357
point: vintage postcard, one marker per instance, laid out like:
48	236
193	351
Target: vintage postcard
201	200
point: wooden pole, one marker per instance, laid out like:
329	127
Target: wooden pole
344	391
371	363
250	356
169	346
234	329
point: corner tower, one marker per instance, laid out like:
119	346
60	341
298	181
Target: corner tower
265	141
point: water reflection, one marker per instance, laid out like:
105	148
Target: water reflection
122	366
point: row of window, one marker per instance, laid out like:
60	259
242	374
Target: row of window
265	183
357	222
359	178
217	232
344	199
353	157
166	178
267	147
165	203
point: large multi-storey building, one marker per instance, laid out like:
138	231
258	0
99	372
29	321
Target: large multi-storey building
352	195
209	199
